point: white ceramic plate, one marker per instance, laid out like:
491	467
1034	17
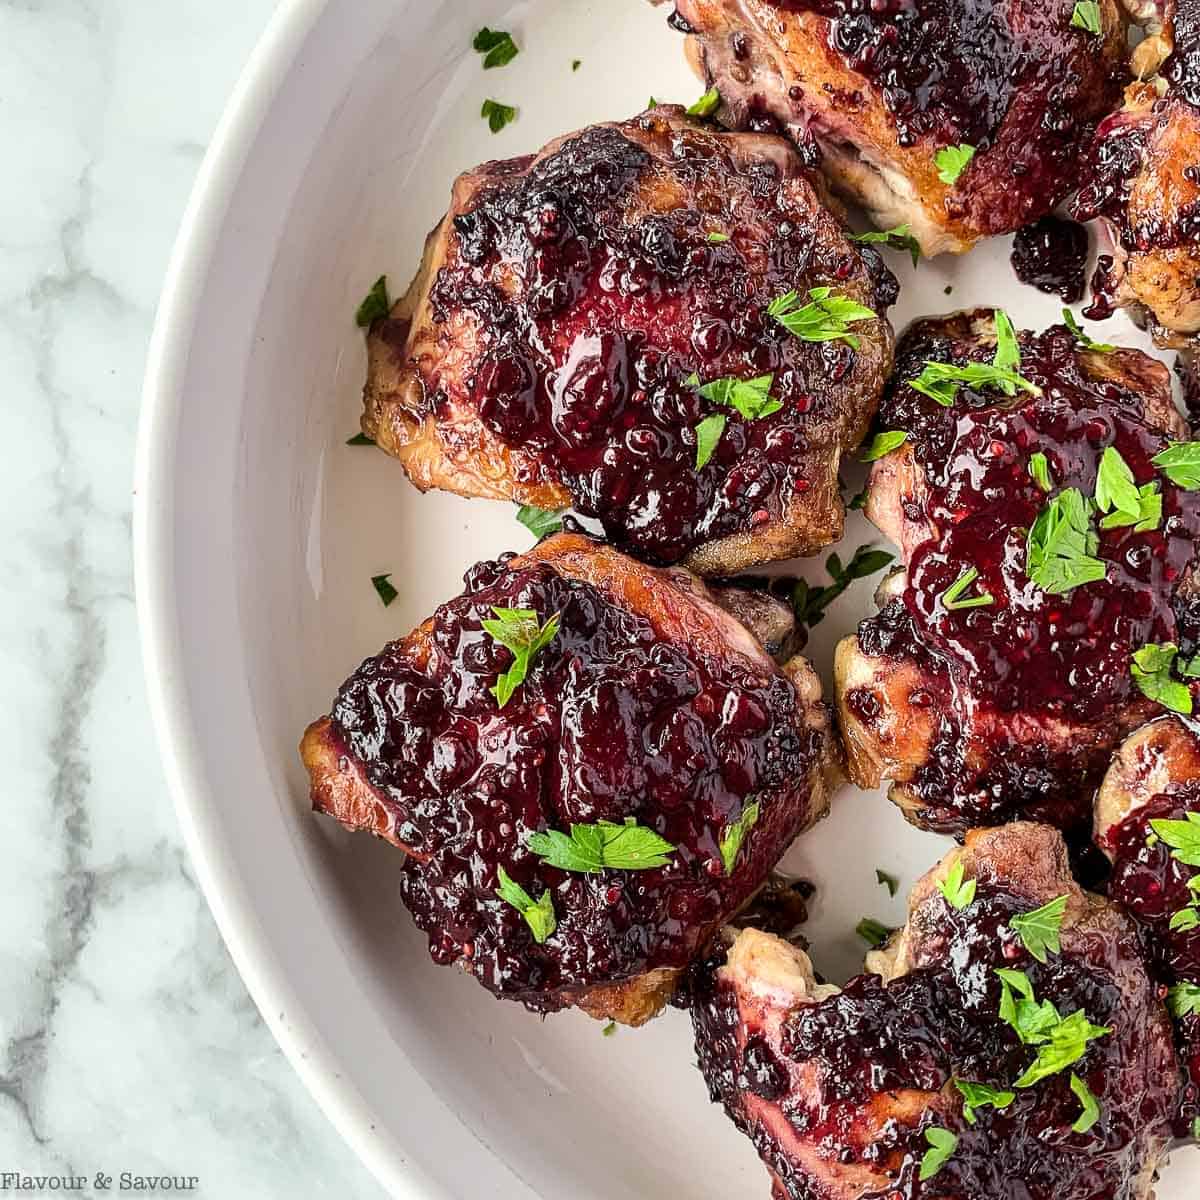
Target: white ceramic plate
258	530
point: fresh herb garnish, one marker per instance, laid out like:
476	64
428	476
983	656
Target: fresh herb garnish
953	599
1091	1106
1196	1129
498	48
979	1095
1082	338
707	104
883	443
826	317
1180	463
1041	929
888	881
1065	1044
1118	495
539	521
1184	1000
942	1144
592	848
1008	349
952	161
1151	671
360	439
1061	545
940	381
708	434
1182	836
735	834
899	238
809	603
1039	468
751	398
717	239
859	500
957	892
576	63
375	304
1087	16
384	589
609	1029
518	631
497	115
1186	919
1031	1020
873	932
538	914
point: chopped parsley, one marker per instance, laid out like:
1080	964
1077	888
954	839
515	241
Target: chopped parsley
1065	1043
1091	1106
1030	1019
888	881
498	48
958	893
826	317
1039	468
717	239
1041	929
539	521
953	598
384	589
1061	546
940	381
707	104
708	434
809	603
952	161
1120	497
1180	463
735	833
591	848
576	63
1182	836
942	1144
538	914
497	115
1184	1000
1008	348
1082	338
979	1095
375	304
873	932
751	398
1087	17
518	631
1151	671
360	439
609	1029
899	238
883	443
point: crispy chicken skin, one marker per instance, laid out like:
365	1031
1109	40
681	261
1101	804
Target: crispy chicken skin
877	91
837	1088
651	703
546	351
1011	704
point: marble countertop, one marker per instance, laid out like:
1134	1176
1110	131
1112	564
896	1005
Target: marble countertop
129	1042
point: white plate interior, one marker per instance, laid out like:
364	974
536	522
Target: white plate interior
259	541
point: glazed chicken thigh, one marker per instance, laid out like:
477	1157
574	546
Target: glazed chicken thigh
1000	673
589	765
653	321
957	118
948	1070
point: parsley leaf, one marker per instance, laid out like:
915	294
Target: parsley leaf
958	894
1185	920
1087	17
708	434
360	439
707	104
883	443
1039	468
1118	495
1082	338
576	63
375	304
979	1095
873	932
1067	1042
896	239
384	589
942	1144
539	521
1040	930
1184	1000
809	603
952	161
1061	545
1008	349
825	318
888	881
538	914
592	848
497	115
952	597
1180	463
1031	1020
609	1029
1196	1129
749	397
1091	1106
940	381
498	48
735	834
1182	836
517	630
1151	671
717	239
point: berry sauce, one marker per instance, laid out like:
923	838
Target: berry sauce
613	721
1002	677
1051	255
835	1069
595	307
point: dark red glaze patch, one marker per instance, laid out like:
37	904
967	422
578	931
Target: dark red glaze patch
612	722
586	364
1182	69
1051	255
1030	655
940	1023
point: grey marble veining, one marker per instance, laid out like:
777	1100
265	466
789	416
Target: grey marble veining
127	1042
